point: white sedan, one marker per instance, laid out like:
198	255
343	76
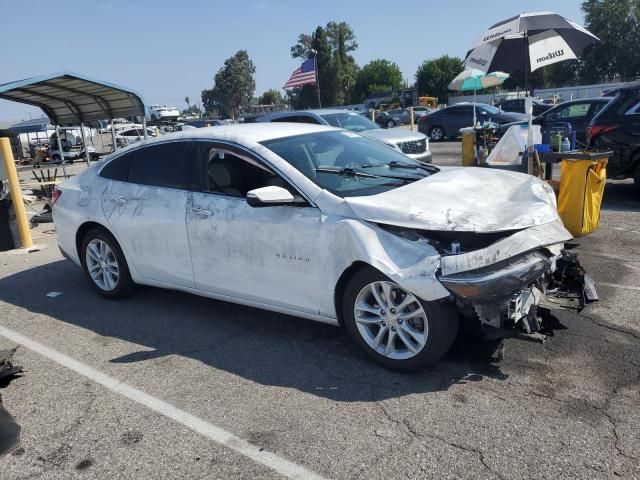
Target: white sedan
322	223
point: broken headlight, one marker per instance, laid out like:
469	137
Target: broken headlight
499	280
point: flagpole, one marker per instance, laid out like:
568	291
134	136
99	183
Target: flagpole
315	68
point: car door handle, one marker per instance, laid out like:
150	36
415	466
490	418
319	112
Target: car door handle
120	200
201	212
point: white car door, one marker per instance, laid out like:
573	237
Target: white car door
265	254
145	206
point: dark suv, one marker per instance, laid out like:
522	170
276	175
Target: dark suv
617	128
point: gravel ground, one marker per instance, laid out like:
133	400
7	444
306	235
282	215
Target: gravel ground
565	409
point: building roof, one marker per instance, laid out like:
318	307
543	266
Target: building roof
69	98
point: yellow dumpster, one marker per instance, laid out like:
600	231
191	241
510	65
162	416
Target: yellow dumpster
468	146
582	181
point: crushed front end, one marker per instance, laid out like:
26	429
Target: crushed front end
504	297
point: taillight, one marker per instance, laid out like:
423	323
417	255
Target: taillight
596	130
55	195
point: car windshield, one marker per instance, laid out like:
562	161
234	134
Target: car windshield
349	121
348	164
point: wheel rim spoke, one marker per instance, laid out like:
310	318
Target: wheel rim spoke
369	320
408	343
388	349
378	338
374	291
419	337
363	307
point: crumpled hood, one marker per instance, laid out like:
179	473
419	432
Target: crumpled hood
462	199
393	135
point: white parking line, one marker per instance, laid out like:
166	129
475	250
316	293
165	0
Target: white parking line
204	428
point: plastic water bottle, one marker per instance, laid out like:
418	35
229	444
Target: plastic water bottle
566	145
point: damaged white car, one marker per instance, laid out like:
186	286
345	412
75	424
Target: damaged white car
324	224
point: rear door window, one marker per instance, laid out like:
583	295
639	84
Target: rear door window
169	165
118	168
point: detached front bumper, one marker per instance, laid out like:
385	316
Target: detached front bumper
508	294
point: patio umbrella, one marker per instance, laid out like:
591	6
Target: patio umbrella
527	42
474	80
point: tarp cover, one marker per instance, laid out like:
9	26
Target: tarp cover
68	98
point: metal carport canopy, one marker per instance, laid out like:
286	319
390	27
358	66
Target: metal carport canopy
70	99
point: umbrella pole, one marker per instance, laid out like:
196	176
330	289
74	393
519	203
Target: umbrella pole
474	108
526	64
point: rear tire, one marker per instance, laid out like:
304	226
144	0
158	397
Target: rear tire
391	124
422	331
105	265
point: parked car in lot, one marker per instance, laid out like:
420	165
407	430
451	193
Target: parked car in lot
517	105
388	119
404	115
322	223
133	135
448	121
617	127
578	113
413	144
205	122
163	113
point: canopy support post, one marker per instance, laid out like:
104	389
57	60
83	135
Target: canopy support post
144	126
84	143
113	137
59	142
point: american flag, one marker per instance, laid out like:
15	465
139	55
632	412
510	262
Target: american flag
303	75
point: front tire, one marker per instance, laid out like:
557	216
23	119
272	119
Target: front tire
105	265
391	124
437	134
394	327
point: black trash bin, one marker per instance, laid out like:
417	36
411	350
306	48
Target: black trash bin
7	217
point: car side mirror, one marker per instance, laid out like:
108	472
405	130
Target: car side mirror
271	196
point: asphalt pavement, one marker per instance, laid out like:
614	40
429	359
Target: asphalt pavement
168	385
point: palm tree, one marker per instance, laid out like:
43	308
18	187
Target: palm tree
186	99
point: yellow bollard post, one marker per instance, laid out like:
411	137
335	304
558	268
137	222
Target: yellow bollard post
373	115
411	117
16	193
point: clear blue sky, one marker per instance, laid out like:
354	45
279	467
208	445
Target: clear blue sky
168	49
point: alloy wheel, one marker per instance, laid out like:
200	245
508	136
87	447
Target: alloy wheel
102	265
436	134
391	320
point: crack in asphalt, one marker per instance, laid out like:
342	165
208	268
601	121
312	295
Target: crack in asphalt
415	434
612	327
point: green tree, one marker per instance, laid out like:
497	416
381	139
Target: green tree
616	56
233	86
271	97
209	101
434	76
342	41
377	76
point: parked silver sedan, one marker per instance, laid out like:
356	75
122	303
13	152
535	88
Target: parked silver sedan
324	224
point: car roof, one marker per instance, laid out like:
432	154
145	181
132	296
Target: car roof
252	132
583	100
